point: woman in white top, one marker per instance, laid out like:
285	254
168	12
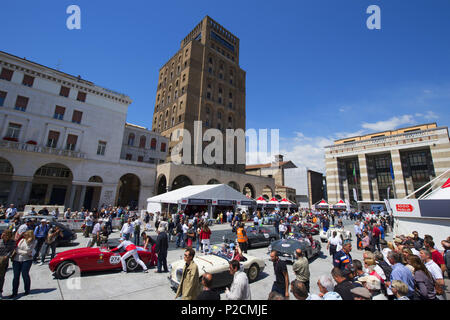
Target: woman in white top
22	262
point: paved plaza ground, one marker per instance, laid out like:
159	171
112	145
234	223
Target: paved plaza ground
155	286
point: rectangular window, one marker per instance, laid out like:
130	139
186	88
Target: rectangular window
28	80
151	160
71	142
2	98
52	140
128	156
59	112
101	148
6	74
81	96
76	117
21	103
13	131
163	147
140	159
64	92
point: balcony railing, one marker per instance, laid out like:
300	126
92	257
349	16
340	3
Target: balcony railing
40	149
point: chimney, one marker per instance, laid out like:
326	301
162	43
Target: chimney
278	158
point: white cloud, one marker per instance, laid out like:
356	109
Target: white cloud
390	124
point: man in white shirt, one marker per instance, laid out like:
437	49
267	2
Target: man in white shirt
435	271
127	230
131	250
282	229
11	211
185	228
96	233
240	289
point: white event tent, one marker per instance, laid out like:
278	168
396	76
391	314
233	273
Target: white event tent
207	195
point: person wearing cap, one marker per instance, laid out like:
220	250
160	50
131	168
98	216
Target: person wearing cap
96	233
40	233
373	284
89	221
361	293
343	256
28	225
131	250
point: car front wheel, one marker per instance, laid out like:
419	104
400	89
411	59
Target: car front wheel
66	269
253	272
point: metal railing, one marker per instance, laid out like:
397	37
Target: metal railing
40	149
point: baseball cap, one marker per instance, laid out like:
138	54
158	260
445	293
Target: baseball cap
372	282
361	292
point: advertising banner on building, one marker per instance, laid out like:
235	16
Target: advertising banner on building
405	208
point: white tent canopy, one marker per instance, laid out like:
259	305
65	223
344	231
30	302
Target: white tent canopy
441	193
209	191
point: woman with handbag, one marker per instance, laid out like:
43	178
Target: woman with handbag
7	246
22	261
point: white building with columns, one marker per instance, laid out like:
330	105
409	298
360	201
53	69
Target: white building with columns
62	141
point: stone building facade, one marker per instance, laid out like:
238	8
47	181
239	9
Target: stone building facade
61	141
398	161
202	82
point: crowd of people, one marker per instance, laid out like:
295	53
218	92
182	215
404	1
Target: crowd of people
407	268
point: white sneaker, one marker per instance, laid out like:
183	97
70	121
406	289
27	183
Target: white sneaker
41	264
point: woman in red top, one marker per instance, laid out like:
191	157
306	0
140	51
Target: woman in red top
205	235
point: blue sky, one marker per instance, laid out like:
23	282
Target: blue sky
314	70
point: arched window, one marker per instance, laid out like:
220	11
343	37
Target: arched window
131	139
163	147
142	142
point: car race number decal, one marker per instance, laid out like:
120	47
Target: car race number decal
266	235
115	259
285	245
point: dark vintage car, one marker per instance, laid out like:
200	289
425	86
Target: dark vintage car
286	247
68	234
257	236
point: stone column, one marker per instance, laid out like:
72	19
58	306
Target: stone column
399	182
332	176
346	191
410	186
12	192
48	194
27	192
375	191
82	195
365	189
73	191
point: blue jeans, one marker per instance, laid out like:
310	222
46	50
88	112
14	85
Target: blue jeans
126	236
24	269
198	243
136	238
179	239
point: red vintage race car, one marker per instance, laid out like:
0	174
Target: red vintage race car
66	263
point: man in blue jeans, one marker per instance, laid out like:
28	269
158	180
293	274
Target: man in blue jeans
40	233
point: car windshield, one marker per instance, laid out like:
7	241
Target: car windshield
297	236
222	252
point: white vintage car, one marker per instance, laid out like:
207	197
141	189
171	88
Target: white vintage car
217	263
324	236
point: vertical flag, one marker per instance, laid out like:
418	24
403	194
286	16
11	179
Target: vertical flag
392	172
